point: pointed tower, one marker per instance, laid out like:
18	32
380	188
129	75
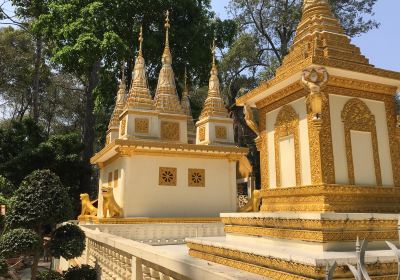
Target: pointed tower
328	154
114	125
185	103
214	125
139	118
173	126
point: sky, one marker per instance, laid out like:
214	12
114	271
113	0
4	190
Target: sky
381	46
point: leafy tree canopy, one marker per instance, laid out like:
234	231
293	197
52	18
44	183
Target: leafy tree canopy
40	200
67	241
84	272
7	189
49	275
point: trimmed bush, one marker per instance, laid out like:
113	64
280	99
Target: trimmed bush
49	275
40	200
19	242
84	272
67	241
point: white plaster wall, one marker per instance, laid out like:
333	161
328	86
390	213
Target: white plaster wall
143	197
377	108
210	135
363	158
287	161
300	107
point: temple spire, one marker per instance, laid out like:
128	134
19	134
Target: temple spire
185	103
214	105
139	95
166	99
120	100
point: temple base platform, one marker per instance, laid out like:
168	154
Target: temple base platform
301	245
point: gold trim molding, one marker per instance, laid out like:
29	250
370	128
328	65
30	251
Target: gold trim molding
356	116
177	220
287	124
332	198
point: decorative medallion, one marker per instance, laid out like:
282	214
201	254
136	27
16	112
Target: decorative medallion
142	126
196	177
167	176
170	131
220	132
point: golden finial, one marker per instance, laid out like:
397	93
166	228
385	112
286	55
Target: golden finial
140	40
122	84
213	51
167	26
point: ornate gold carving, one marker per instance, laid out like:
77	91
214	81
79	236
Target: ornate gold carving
357	116
110	207
319	236
202	133
262	147
167	176
314	79
142	125
196	177
108	138
170	131
287	123
249	118
278	268
123	127
332	198
87	205
253	205
221	132
119	105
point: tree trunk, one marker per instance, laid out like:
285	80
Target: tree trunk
88	127
36	79
34	268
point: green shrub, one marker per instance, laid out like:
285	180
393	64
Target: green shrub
67	241
84	272
49	275
3	267
18	242
40	200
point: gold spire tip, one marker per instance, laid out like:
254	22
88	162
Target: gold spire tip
213	52
122	82
167	25
140	40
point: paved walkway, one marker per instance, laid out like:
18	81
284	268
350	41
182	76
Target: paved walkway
26	273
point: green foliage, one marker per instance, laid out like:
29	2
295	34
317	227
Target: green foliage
7	189
84	272
40	200
17	242
3	267
24	148
49	275
67	241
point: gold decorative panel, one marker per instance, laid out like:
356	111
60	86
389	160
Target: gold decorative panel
357	116
221	132
287	123
196	177
167	176
170	131
142	126
123	127
202	133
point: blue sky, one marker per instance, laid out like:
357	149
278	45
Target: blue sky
381	46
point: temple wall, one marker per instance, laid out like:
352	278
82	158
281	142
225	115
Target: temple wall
305	172
361	144
141	195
